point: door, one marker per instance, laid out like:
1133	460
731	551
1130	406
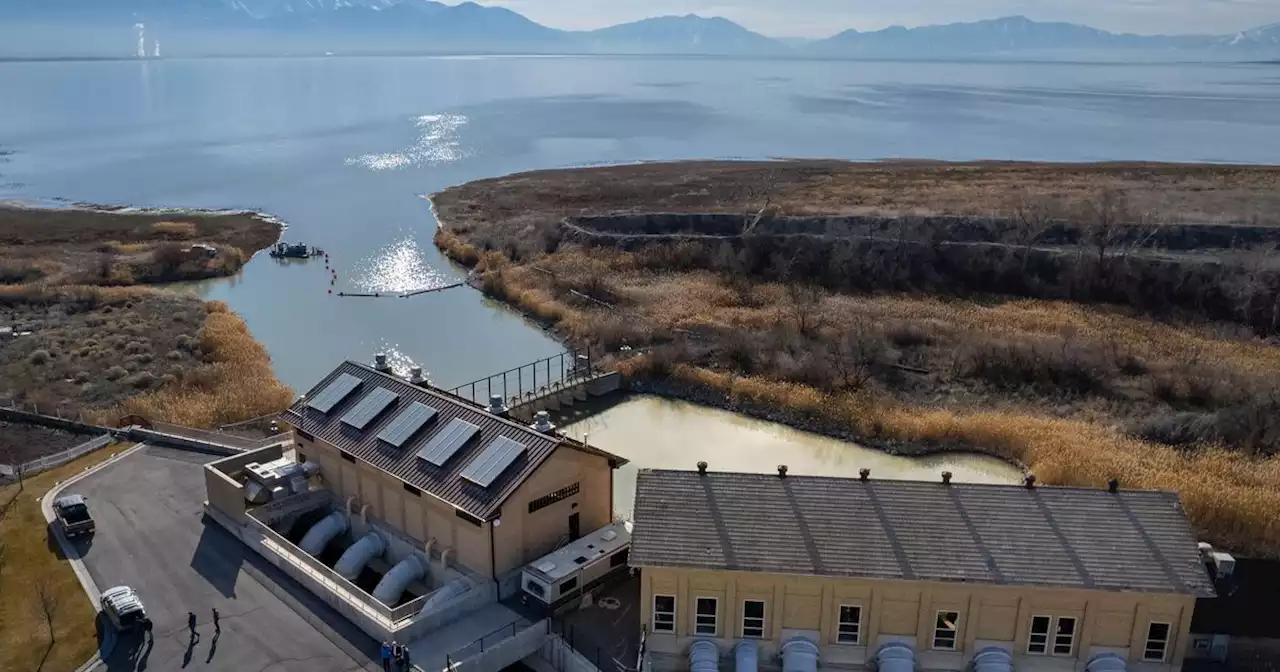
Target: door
575	527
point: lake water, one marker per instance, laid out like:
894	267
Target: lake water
657	433
343	150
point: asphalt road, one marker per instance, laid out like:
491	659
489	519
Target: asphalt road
151	536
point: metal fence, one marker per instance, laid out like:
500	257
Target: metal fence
56	460
535	379
598	653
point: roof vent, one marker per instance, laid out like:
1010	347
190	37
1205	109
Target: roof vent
864	474
497	406
416	376
702	468
1113	486
1029	481
946	478
380	363
542	422
782	471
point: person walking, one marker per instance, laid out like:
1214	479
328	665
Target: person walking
386	656
408	664
191	625
217	627
397	654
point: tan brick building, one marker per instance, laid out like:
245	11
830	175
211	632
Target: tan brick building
492	492
912	575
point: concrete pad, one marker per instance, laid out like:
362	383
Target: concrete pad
151	536
465	637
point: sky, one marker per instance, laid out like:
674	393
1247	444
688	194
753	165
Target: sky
823	18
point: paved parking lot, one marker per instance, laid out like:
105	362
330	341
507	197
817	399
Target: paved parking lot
151	535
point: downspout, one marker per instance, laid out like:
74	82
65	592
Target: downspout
493	558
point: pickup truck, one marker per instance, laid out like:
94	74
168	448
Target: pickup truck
73	515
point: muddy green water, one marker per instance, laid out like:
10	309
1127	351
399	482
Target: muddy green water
659	433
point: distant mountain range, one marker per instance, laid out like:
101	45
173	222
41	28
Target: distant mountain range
197	27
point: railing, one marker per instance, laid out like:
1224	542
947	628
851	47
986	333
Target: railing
479	646
206	436
587	647
526	382
57	459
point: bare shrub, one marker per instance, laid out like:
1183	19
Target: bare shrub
115	373
1057	365
39	357
141	380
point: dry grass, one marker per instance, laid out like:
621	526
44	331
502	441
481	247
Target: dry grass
29	560
215	392
175	230
1055	385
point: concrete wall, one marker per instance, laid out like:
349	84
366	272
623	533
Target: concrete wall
564	658
523	536
906	611
222	480
507	652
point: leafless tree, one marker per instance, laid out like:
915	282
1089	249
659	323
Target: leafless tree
46	607
1251	279
1031	218
804	306
855	354
760	194
1102	222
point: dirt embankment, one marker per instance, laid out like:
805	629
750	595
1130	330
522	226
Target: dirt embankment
81	334
1062	316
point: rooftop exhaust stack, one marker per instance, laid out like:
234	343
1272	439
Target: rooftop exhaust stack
380	363
1113	486
782	471
1029	481
702	468
496	406
542	422
416	377
864	474
946	478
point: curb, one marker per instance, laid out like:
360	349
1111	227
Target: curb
69	552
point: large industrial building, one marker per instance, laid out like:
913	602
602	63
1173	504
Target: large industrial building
495	492
802	571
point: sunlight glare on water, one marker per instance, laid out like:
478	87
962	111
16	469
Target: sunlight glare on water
399	267
437	143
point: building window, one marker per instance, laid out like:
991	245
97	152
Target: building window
1064	637
944	630
753	619
412	490
704	618
849	626
1038	640
664	613
468	517
557	496
1157	642
348	456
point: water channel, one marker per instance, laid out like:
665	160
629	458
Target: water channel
658	433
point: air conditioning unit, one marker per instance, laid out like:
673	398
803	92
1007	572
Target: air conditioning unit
1223	565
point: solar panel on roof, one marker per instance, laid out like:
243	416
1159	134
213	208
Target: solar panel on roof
369	408
494	460
410	420
334	393
442	446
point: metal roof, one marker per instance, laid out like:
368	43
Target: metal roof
914	530
444	482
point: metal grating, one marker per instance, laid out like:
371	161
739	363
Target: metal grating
493	460
412	419
334	393
442	446
370	407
